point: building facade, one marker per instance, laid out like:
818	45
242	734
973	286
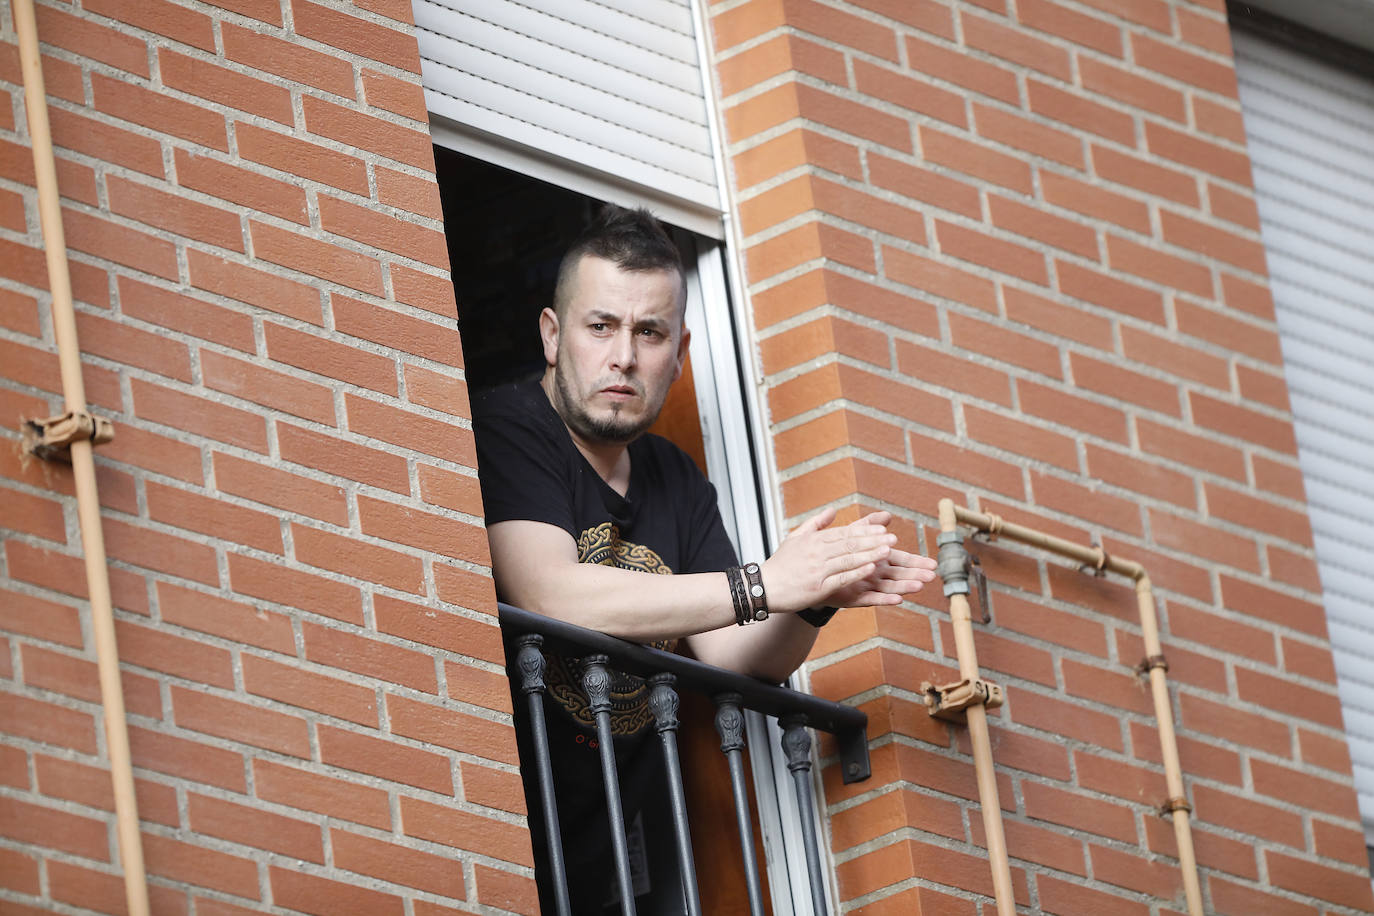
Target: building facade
1002	251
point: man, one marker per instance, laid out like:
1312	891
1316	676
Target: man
587	516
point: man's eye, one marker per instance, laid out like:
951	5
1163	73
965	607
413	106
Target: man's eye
650	333
598	326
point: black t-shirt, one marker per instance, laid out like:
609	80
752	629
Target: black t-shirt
667	522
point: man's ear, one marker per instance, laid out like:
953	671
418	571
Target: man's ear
548	333
682	353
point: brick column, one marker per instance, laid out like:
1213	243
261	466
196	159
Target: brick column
1007	251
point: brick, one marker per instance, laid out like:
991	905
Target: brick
376	135
227	87
916	95
1280	478
1112	512
1136	873
287	59
1337	842
1204	540
442	391
1197	153
395	329
461	830
1144	175
385	759
187	759
1067	719
241	186
407	192
1233	207
1109	292
1198	758
867	210
167	19
991	252
89	284
493	788
1119	779
939	279
178	312
1151	264
221	617
327	261
1029	136
251	827
1177	358
98	890
1283	695
1132	88
197	415
850	117
34	515
370	658
1212	241
1242	423
1235	900
112	241
396	864
280	489
310	690
255	287
1111	380
1260	514
1292	568
62	79
1170	60
1060	320
474	637
342	458
1309	661
1144	477
19	873
235	721
1227	722
447	490
170	653
975	159
1078	811
19	312
79	678
347	556
1215	631
66	574
318	896
1031	843
12	212
39	618
51	828
184	509
1035	223
1094	201
1263	387
1016	46
1344	888
263	386
302	158
268	11
423	291
307	791
791	149
972	73
809	242
159	112
1185	666
389	233
1074	412
162	552
895	811
91	39
503	890
356	35
1112	687
425	531
1202	452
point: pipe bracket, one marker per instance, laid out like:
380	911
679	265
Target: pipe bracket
1150	663
1177	803
51	438
948	701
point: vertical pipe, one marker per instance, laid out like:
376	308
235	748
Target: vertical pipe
530	661
796	748
730	726
977	717
83	464
1168	745
663	702
596	681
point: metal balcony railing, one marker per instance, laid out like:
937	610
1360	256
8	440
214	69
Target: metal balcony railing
530	634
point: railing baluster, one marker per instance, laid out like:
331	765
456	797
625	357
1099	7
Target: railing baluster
530	660
663	700
596	681
796	747
730	725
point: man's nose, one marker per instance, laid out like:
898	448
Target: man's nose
623	355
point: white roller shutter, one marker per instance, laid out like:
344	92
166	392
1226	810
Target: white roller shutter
1310	128
604	97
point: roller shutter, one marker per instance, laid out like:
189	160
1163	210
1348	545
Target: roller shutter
596	96
1310	128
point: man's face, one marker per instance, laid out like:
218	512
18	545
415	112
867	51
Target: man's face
615	351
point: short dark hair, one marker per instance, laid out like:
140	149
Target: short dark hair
632	239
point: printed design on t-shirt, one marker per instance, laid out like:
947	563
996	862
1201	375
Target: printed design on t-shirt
630	713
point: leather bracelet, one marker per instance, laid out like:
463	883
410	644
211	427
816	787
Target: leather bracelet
758	601
735	576
818	616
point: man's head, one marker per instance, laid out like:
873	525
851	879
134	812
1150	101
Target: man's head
615	340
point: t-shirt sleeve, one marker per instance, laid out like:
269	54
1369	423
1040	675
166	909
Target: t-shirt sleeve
523	474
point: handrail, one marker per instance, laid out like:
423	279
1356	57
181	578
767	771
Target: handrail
847	724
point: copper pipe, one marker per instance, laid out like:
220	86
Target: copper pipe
1176	804
83	463
977	718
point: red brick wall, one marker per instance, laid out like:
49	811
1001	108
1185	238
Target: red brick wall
318	711
1007	251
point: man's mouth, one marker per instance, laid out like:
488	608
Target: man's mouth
620	392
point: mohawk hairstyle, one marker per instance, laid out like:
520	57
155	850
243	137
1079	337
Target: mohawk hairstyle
632	239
